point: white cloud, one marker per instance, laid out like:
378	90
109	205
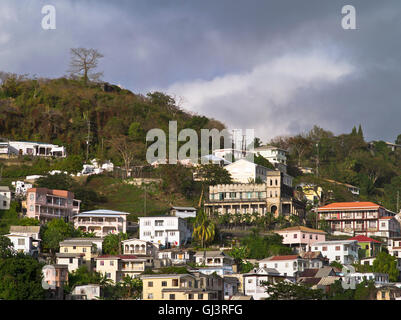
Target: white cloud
261	98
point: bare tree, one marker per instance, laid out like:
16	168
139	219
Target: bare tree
83	61
125	149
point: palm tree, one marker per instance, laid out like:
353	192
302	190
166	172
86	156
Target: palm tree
204	228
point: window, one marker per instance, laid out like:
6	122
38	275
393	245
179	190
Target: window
102	263
108	275
83	249
159	233
295	235
112	263
172	296
71	260
249	280
175	282
324	248
200	296
303	236
337	258
190	296
21	242
150	296
276	265
65	249
159	223
338	248
164	283
150	284
74	247
4	203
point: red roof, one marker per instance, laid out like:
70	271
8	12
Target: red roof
120	256
290	257
349	205
388	217
361	238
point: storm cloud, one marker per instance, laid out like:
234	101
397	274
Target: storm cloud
276	66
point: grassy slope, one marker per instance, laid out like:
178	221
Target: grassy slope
129	198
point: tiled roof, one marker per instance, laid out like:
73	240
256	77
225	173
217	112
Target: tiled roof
25	229
327	281
54	192
302	228
307	273
289	257
385	218
118	256
349	205
362	238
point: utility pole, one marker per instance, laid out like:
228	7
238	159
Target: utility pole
317	160
398	201
145	201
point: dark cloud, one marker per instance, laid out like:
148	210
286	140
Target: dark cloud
216	54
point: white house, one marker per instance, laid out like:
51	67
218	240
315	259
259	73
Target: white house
183	212
176	256
244	171
91	291
5	198
101	222
23	244
288	266
21	187
33	149
139	247
342	251
273	154
253	281
72	260
209	262
236	154
379	278
166	231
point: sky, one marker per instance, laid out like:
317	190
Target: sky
278	67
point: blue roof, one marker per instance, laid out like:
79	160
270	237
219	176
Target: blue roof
102	212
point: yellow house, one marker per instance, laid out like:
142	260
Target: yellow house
388	293
194	286
85	247
312	193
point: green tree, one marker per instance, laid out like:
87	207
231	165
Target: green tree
21	278
213	174
112	243
386	263
55	231
283	290
6	247
204	228
135	131
132	287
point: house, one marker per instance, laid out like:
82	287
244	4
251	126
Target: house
342	251
311	192
166	231
314	259
388	292
288	266
301	237
101	222
90	291
46	204
359	218
209	262
116	267
37	149
368	247
72	260
394	248
79	246
244	171
354	190
231	154
253	281
231	285
314	276
30	231
176	256
378	278
139	247
5	198
24	244
191	286
183	212
54	278
276	156
275	196
21	187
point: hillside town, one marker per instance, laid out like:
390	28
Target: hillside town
172	255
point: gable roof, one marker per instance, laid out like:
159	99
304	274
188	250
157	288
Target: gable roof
307	273
361	238
288	257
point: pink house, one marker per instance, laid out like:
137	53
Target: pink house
301	237
46	204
